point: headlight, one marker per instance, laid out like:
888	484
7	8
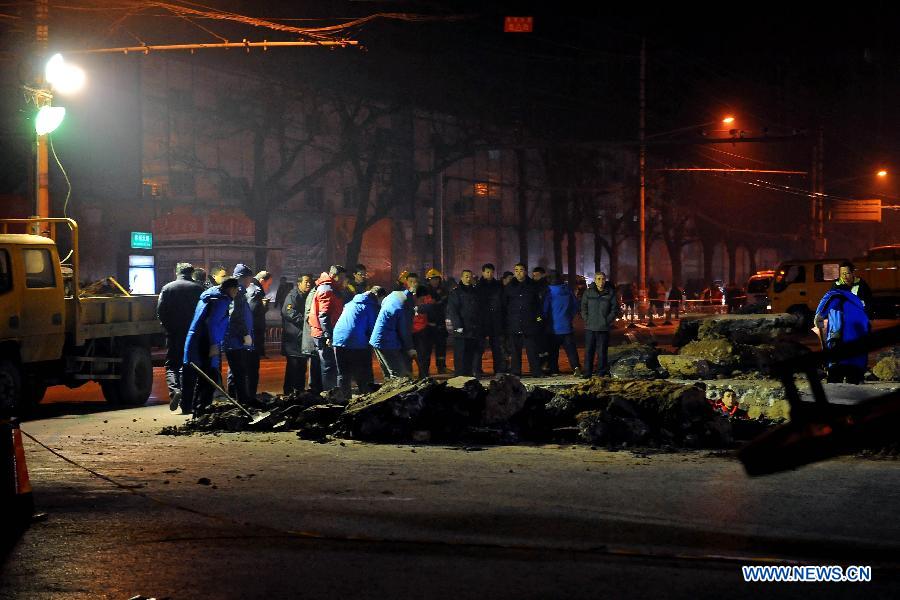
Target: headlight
768	307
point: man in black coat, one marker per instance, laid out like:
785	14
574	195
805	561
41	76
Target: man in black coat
292	312
256	300
490	293
523	309
599	309
465	313
175	309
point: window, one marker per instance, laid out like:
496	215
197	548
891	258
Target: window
788	275
39	272
5	272
827	271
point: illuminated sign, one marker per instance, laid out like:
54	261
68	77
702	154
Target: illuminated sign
142	240
518	24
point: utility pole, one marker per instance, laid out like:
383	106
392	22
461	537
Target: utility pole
821	244
42	159
642	162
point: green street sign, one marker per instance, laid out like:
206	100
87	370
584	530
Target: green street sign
142	240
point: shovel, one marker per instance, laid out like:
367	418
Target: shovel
253	419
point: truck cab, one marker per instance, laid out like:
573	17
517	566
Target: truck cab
52	333
798	286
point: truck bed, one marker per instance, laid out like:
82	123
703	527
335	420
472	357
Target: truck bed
112	316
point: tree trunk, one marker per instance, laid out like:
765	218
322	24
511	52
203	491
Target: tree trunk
557	205
709	246
674	245
598	249
522	197
572	253
731	247
261	223
751	253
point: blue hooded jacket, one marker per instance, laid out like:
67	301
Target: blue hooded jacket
240	323
847	321
207	327
560	306
393	327
356	323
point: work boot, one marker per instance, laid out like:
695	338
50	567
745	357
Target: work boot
175	401
576	372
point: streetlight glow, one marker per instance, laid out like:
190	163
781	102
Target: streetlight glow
728	120
882	173
48	119
63	77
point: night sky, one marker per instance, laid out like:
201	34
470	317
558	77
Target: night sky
778	69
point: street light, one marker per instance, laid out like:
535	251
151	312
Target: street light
66	79
882	173
728	120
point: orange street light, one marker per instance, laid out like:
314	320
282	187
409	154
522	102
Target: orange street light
882	173
728	120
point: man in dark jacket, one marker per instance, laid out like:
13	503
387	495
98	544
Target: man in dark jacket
522	307
465	312
327	306
204	344
437	319
599	309
174	309
259	304
238	342
490	294
292	310
308	347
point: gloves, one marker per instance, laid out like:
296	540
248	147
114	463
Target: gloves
539	319
412	353
328	342
213	350
460	330
248	340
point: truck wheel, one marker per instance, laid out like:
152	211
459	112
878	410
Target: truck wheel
10	385
110	389
137	376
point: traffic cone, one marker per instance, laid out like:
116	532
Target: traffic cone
17	485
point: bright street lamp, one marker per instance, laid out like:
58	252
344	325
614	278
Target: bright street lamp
728	120
882	173
48	119
63	77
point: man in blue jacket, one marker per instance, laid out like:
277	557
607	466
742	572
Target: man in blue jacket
392	336
238	343
846	321
351	340
203	344
560	307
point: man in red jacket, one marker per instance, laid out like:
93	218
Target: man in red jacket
327	306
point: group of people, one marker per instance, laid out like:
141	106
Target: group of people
333	324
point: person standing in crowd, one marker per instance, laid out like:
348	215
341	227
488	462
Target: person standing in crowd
539	276
849	282
437	319
174	309
292	335
351	340
326	310
490	295
259	305
238	343
507	277
284	288
199	276
599	310
840	319
676	296
360	280
423	338
465	311
522	306
204	343
560	307
392	336
308	346
218	274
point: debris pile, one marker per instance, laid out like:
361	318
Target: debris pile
731	346
635	361
600	411
887	366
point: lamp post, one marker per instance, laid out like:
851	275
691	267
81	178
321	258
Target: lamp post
64	78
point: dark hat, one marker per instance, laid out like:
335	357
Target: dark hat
241	270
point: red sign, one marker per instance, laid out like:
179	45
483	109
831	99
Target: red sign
518	24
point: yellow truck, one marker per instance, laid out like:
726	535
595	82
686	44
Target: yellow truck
53	334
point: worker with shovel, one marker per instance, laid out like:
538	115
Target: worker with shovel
203	345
